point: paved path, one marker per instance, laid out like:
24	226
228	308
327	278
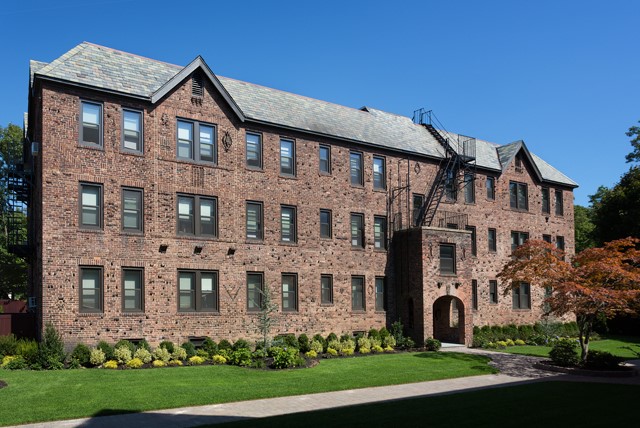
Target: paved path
514	369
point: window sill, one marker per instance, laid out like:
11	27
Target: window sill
380	190
288	177
358	311
91	147
131	153
253	168
288	244
470	203
196	162
380	311
326	305
521	309
380	250
324	174
326	238
357	186
133	314
254	241
194	237
91	314
198	313
449	275
357	248
131	233
292	312
93	230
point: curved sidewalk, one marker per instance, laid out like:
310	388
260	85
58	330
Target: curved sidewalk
515	369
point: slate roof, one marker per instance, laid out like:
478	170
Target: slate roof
115	71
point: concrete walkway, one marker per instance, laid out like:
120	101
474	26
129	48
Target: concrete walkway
514	369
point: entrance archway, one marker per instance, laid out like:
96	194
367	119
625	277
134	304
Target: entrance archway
448	319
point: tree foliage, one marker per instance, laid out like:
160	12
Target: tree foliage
584	228
598	282
634	132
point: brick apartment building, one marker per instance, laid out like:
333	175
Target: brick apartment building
164	198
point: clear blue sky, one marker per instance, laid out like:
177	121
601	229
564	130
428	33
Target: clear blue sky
564	76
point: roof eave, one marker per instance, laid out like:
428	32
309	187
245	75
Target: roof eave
95	88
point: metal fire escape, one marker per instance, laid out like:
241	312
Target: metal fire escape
17	182
459	160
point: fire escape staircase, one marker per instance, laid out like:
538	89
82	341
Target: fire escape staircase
449	167
17	179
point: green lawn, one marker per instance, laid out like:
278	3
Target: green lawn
612	344
548	404
34	396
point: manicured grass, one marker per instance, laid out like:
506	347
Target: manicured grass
614	345
34	396
548	404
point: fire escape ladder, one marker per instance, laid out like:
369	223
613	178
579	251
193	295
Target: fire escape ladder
17	182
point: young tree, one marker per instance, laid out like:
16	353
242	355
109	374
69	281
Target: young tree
266	318
598	281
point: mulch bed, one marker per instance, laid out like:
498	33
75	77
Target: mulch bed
578	371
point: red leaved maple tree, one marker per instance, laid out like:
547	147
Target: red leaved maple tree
597	282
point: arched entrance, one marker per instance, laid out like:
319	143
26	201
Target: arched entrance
448	319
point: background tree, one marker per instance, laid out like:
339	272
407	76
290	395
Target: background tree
583	228
597	282
13	269
634	132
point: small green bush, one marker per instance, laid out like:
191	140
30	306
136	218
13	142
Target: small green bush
345	337
74	364
81	353
241	344
347	346
241	357
111	364
602	360
285	357
224	353
143	344
225	344
374	334
158	363
364	343
377	349
330	337
162	354
28	349
219	359
384	333
375	341
322	341
196	361
13	362
134	363
501	344
365	350
334	344
97	357
179	354
168	345
290	341
389	341
519	342
8	345
129	345
511	332
332	352
408	343
107	349
210	347
316	346
564	352
311	354
432	344
510	342
347	352
123	354
304	344
388	349
189	348
174	363
51	350
203	354
143	355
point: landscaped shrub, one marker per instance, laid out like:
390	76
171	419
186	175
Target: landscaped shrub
143	355
345	336
134	363
322	341
284	357
241	344
602	360
179	354
143	344
28	349
111	364
347	351
501	344
203	354
510	342
259	354
168	345
384	333
219	359
388	349
51	350
106	349
224	352
364	345
332	352
432	344
304	343
189	348
196	361
210	347
81	353
479	341
225	344
334	344
13	362
162	354
123	354
97	357
408	343
377	349
129	345
388	341
375	341
497	333
519	342
347	346
330	337
311	354
374	334
241	357
158	363
316	346
526	332
290	340
511	332
564	352
8	345
174	363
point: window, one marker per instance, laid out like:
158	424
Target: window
132	130
474	294
379	173
91	130
559	203
546	203
447	259
325	159
474	244
287	157
289	292
91	289
197	291
132	290
451	185
326	289
197	85
90	206
490	184
132	210
517	239
355	166
418	200
492	240
254	150
518	196
493	291
357	230
254	220
357	293
254	291
380	232
469	188
287	224
196	141
325	224
560	243
521	297
197	215
380	300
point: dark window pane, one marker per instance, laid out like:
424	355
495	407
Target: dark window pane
325	159
254	150
187	291
357	293
185	140
357	230
491	188
379	176
254	292
492	240
132	130
132	209
288	224
546	203
91	290
380	301
325	224
380	233
289	293
132	289
254	220
287	157
91	123
91	205
207	143
208	291
208	217
559	203
469	188
418	200
447	259
186	223
326	289
355	166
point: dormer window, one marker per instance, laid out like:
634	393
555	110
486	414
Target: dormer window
197	86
